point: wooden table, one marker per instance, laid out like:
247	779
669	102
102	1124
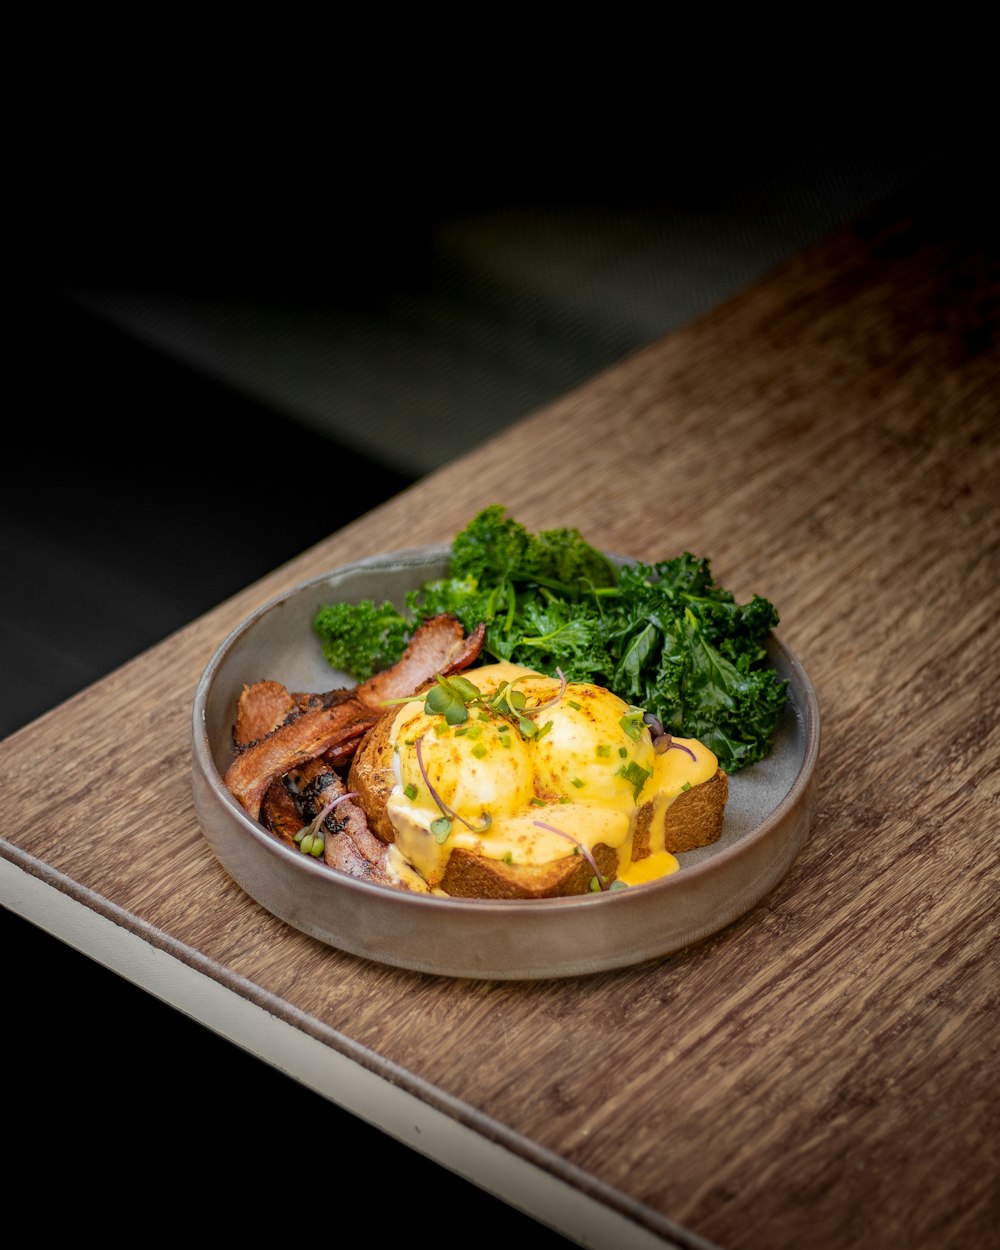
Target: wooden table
823	1072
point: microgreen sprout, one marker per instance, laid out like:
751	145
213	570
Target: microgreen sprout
655	725
544	707
310	837
454	697
450	698
662	741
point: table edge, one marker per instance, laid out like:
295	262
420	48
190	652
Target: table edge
409	1109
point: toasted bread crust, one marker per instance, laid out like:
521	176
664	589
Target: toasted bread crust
469	875
693	819
372	777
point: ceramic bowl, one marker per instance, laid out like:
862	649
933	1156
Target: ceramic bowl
768	818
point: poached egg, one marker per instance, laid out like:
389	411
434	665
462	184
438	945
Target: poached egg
567	767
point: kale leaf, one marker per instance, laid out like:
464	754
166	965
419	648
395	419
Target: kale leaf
362	638
664	636
495	548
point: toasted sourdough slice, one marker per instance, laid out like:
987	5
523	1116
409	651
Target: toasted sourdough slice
693	819
371	775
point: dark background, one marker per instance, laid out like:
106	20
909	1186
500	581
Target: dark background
170	448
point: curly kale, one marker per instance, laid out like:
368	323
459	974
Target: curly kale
688	652
663	636
495	548
361	639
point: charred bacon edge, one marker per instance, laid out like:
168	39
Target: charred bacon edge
439	645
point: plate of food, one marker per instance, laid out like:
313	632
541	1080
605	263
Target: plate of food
510	757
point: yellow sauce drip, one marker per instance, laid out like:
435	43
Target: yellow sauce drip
652	868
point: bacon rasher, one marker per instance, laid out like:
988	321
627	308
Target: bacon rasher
303	727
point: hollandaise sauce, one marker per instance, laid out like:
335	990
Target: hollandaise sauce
548	769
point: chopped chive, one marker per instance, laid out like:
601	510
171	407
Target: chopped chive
575	781
633	723
479	750
410	791
603	751
636	775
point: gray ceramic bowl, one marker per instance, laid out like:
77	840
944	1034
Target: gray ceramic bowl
769	815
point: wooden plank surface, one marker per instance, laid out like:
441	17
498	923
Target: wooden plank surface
823	1072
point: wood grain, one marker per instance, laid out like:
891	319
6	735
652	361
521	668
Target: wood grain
824	1072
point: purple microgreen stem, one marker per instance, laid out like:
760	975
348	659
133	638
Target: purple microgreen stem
583	850
312	830
544	707
655	725
665	743
447	811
